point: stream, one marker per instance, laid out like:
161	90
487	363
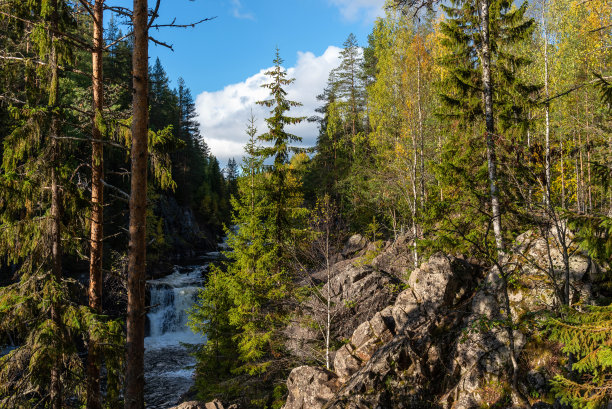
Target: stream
169	366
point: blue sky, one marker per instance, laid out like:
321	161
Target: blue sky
223	60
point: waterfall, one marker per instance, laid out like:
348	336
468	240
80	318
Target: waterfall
168	364
171	298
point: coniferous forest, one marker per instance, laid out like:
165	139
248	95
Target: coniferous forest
446	243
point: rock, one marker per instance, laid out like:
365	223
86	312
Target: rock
354	244
396	348
397	258
310	387
345	363
443	281
370	387
535	289
357	294
196	405
438	343
215	404
482	357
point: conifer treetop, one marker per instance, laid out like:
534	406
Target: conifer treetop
279	105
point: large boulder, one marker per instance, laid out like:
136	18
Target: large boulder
541	272
443	281
310	387
355	244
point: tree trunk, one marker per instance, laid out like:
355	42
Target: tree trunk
134	380
529	190
328	269
547	112
485	57
562	171
421	138
56	256
97	203
55	227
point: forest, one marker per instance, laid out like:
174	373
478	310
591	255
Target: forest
446	243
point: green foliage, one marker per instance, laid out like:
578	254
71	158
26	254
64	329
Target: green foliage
587	336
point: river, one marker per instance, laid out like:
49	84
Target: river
169	366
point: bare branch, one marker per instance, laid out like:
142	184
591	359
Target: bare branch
154	14
104	141
108	46
115	188
192	25
11	99
122	11
161	43
574	88
601	28
87	6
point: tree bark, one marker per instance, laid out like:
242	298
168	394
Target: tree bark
134	389
421	137
547	113
97	201
485	57
55	393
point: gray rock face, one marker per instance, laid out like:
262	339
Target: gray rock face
442	281
355	244
396	348
310	388
541	263
397	258
438	343
357	294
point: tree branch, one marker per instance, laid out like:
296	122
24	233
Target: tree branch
77	41
161	43
192	25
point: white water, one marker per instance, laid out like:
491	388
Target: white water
171	299
169	366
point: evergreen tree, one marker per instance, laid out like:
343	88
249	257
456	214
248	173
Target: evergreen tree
284	197
41	225
351	90
238	311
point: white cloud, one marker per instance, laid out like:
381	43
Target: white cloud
354	10
238	13
223	114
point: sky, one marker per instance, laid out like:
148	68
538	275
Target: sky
223	60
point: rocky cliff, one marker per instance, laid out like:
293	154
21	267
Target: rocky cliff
439	342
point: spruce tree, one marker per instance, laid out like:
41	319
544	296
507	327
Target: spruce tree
42	223
238	310
284	198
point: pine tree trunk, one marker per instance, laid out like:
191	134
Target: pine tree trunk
328	269
56	256
97	202
134	389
